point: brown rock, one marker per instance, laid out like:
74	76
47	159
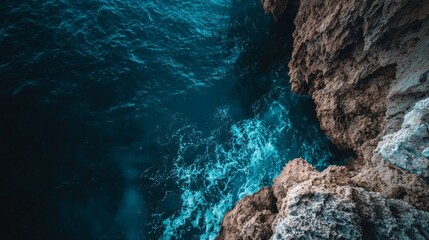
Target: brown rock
251	218
365	63
326	205
278	7
361	62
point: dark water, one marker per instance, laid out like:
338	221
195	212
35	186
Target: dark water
143	119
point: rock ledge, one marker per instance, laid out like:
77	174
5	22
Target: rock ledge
366	66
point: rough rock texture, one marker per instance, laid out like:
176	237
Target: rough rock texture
274	7
365	63
330	206
406	147
252	217
306	204
278	7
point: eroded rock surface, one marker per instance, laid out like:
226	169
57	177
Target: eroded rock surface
278	7
274	7
251	218
306	204
365	63
408	147
317	209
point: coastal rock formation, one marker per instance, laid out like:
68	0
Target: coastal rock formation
275	7
408	148
329	206
252	217
278	7
306	204
366	65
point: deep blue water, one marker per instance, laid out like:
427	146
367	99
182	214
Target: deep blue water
129	119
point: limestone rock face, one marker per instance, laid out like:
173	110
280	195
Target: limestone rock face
329	205
365	63
408	147
349	213
306	204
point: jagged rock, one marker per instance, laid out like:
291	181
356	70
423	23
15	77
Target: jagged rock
329	205
274	7
365	63
277	7
406	147
350	213
251	218
306	204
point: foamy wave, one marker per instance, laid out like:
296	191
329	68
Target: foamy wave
222	172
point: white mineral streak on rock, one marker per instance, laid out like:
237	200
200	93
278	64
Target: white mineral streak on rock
365	64
408	147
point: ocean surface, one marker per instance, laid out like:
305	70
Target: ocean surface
144	119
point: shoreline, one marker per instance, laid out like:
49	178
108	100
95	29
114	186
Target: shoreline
365	64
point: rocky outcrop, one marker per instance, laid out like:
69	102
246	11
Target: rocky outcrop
365	63
330	206
408	148
306	204
274	7
279	7
252	217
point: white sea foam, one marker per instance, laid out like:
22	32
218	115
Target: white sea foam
211	181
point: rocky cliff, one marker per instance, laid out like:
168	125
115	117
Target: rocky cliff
365	63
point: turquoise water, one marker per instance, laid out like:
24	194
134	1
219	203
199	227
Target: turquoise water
144	119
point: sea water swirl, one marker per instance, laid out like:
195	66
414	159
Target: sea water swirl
150	118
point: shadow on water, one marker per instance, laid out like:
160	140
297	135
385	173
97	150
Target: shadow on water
267	47
58	179
263	44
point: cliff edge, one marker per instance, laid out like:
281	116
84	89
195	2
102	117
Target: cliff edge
366	66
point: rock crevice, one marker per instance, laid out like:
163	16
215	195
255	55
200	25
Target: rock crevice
365	63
